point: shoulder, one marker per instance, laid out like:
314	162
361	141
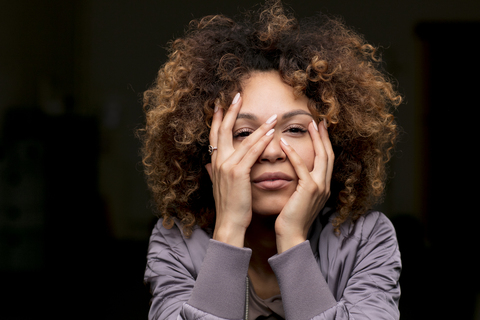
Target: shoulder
174	236
372	235
172	245
371	226
367	248
165	240
373	241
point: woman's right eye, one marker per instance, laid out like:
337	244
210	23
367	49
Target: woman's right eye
242	133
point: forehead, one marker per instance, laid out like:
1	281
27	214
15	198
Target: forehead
266	93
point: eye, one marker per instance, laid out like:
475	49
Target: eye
295	129
242	133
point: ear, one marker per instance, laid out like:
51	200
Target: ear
208	166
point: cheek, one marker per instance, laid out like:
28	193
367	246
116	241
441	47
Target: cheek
306	152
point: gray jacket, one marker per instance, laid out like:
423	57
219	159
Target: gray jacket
351	276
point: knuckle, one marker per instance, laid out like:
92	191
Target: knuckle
222	168
223	129
312	188
211	136
318	189
321	189
248	142
297	161
235	174
331	155
254	149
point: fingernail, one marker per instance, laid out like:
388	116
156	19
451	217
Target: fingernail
325	124
216	109
270	132
315	125
284	142
271	119
235	100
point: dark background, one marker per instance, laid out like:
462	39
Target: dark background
74	208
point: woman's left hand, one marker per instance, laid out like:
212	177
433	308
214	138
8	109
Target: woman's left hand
313	190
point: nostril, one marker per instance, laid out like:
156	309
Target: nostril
272	153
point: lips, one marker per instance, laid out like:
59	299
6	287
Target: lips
272	180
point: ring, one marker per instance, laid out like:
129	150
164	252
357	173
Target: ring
211	149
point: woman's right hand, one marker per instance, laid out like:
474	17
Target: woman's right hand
230	173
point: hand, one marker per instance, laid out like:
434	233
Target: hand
312	192
230	173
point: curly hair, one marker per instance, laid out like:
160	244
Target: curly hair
319	57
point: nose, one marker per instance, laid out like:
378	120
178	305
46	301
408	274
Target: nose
273	152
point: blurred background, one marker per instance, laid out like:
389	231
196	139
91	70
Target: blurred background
75	215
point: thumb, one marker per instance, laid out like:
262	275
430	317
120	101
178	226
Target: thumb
208	166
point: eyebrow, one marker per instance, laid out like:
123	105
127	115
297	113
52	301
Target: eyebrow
296	112
249	116
287	115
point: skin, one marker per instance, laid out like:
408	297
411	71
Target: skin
268	133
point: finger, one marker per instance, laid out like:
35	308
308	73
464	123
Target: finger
320	164
328	149
252	154
225	143
208	166
252	140
297	162
216	122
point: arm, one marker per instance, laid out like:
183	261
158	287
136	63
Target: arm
219	290
368	259
217	293
169	274
372	290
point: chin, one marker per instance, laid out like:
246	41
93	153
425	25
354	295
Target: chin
266	211
269	205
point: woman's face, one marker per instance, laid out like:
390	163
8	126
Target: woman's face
273	178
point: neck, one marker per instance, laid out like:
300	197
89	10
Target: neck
261	238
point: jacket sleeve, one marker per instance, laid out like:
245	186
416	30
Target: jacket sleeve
372	290
218	292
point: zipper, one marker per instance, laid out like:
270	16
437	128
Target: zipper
246	298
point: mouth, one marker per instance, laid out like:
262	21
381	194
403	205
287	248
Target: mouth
272	181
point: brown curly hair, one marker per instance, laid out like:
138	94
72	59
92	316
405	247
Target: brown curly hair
319	57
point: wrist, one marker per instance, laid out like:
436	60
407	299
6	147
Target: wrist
286	242
229	234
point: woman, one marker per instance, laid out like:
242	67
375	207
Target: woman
265	146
